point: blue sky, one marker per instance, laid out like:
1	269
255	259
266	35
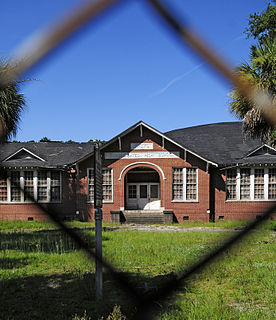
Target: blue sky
126	67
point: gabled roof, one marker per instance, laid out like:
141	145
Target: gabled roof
222	142
143	124
53	154
219	144
23	153
262	150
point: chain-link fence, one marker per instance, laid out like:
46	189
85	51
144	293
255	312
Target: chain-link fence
38	49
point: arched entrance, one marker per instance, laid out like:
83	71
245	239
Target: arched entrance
142	189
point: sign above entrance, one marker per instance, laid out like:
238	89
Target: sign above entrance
141	146
141	155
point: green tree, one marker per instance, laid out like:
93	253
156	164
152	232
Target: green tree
260	71
45	139
11	105
262	26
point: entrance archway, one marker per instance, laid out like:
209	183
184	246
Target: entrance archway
142	189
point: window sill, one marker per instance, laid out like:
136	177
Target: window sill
104	202
253	200
185	201
29	202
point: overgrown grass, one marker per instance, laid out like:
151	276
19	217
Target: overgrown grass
43	275
268	225
36	225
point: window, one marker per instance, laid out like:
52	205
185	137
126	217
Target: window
132	191
245	183
184	184
107	185
23	186
91	184
42	187
28	185
178	184
191	184
15	186
272	183
231	182
259	184
3	187
251	184
55	186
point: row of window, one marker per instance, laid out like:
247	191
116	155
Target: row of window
45	186
251	184
22	186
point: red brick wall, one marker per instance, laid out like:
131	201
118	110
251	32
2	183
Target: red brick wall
196	210
236	210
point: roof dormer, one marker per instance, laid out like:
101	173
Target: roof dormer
23	154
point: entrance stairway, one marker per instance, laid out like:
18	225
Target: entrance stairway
144	216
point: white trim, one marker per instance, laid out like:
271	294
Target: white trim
8	187
141	163
26	150
258	148
141	123
48	186
35	185
120	143
238	186
142	155
22	186
177	144
184	175
141	145
252	183
266	184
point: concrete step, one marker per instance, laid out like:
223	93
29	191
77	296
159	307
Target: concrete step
144	217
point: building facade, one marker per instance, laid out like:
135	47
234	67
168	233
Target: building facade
202	173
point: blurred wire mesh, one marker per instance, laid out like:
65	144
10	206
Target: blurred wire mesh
44	42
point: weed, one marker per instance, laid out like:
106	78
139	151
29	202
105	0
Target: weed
45	275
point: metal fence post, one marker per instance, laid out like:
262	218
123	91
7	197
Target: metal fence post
98	240
98	195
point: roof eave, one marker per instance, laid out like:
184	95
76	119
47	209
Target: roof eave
136	125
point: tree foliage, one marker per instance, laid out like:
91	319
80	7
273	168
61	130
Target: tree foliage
45	139
262	26
11	105
260	71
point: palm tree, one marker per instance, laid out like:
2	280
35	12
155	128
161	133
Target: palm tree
261	71
11	105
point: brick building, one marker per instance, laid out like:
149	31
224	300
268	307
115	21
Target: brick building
202	173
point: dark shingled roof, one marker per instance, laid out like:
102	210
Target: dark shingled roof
223	143
56	154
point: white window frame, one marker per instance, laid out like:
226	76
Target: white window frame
87	184
184	185
252	179
35	186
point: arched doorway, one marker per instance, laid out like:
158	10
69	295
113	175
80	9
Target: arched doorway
142	189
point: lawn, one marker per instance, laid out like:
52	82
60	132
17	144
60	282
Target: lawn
43	274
